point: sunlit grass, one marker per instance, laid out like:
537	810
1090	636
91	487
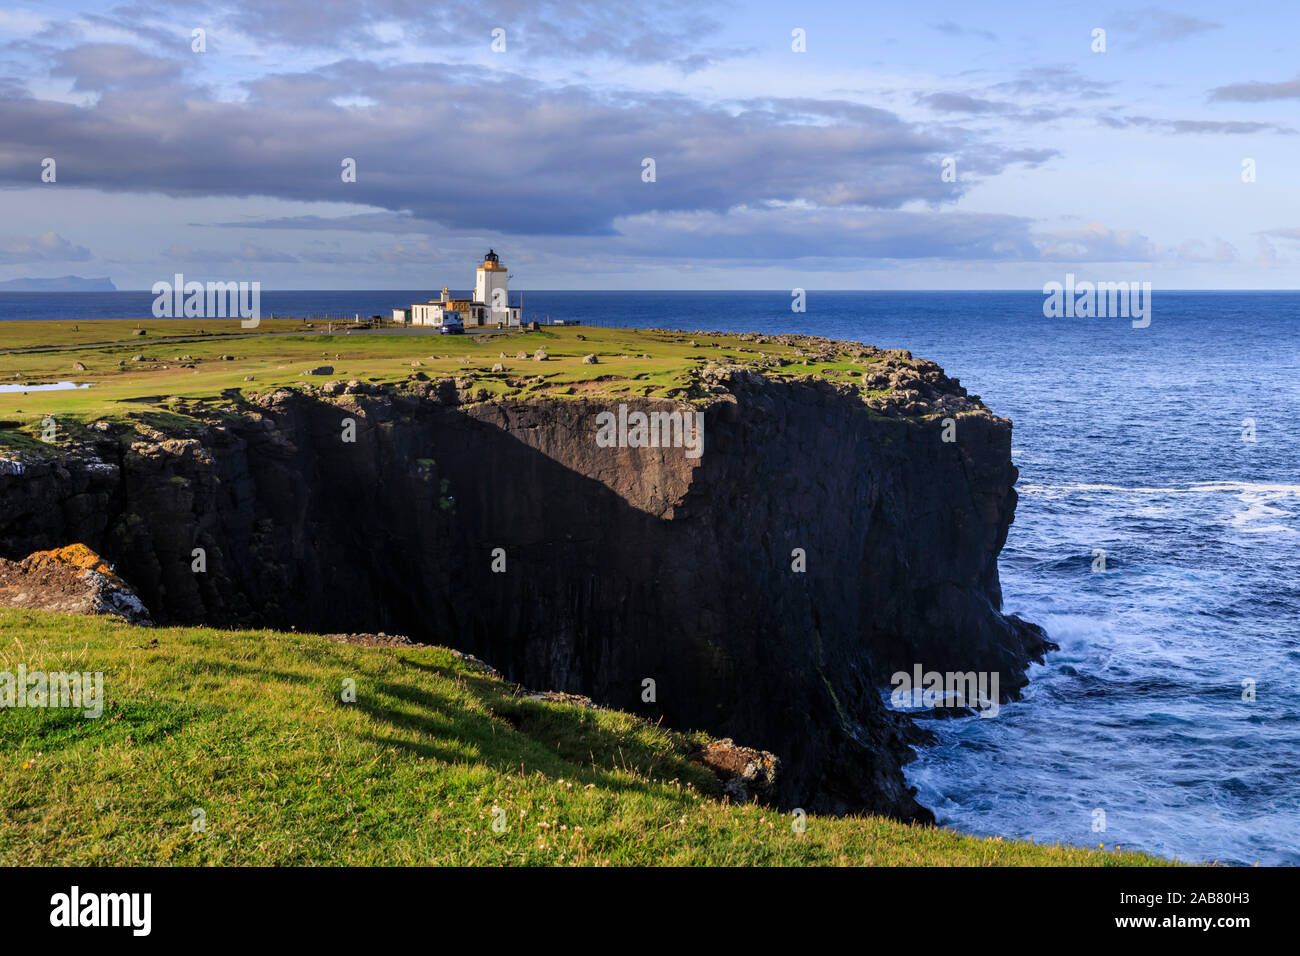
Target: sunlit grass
227	360
246	732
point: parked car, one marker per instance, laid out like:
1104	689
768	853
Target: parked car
451	330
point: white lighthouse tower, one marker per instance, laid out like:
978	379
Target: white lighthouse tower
490	288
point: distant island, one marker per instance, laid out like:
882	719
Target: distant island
62	284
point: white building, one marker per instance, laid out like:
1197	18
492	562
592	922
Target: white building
489	307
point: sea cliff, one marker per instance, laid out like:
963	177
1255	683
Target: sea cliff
828	535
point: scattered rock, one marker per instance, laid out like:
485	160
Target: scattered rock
375	640
540	355
137	331
560	697
589	360
321	370
476	663
78	366
498	367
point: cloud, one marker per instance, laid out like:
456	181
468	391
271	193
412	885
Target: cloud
1096	243
1266	256
251	255
666	31
1152	25
1257	92
962	103
833	239
1292	234
246	253
1053	81
948	28
103	66
493	152
952	102
398	223
452	152
48	247
1201	127
1196	251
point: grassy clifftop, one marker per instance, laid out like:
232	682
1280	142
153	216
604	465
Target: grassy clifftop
179	370
246	733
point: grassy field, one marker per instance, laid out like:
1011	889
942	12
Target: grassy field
220	747
186	361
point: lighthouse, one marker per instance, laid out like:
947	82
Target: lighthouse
490	287
489	306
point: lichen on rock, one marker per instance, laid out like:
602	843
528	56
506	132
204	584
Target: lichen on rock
72	579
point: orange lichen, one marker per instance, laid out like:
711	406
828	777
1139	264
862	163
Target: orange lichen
73	555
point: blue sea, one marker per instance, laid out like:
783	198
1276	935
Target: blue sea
1129	441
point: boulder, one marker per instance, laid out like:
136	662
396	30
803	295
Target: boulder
73	580
746	774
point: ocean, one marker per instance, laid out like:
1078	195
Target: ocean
1166	722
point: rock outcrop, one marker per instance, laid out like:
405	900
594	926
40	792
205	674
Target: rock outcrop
74	580
746	774
763	591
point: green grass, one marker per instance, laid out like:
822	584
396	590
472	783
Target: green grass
631	362
249	727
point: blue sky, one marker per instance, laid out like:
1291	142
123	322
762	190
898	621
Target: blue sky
774	169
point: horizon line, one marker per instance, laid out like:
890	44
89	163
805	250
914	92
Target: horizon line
777	291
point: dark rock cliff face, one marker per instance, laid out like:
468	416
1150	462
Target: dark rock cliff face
621	564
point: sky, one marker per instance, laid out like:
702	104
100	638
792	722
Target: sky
838	145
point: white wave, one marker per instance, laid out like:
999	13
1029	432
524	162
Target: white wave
1262	500
1194	488
1261	505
